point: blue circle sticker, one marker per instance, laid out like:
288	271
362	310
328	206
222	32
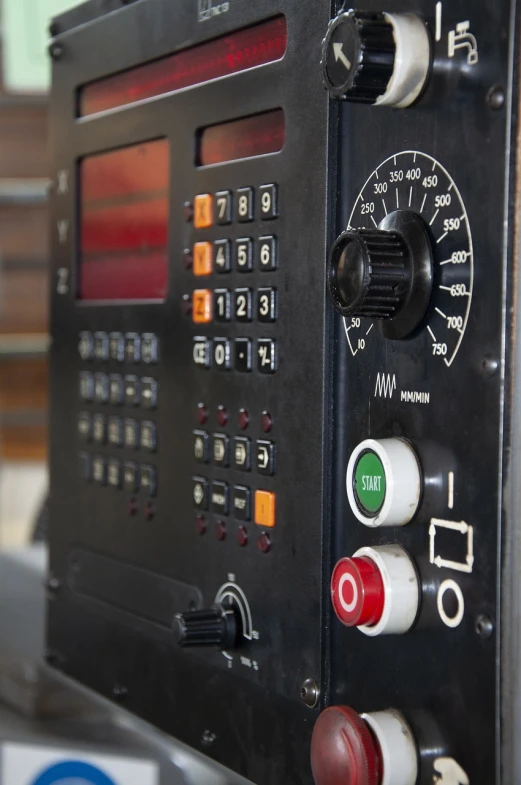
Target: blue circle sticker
73	772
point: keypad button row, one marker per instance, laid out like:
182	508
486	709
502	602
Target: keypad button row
117	431
118	474
219	208
216	257
222	305
218	497
118	390
122	348
223	451
219	353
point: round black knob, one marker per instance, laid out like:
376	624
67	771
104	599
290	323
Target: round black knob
369	273
384	273
358	56
215	626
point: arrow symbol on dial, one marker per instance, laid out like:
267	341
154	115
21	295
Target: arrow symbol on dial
339	55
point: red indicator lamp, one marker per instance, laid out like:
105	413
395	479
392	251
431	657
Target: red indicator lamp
377	748
343	749
376	590
357	592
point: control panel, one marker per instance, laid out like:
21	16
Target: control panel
284	425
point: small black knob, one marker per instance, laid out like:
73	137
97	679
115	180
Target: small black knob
384	273
369	273
215	626
358	56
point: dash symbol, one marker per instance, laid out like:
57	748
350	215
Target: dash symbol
442	238
438	21
372	219
451	490
434	217
385	208
423	203
440	313
432	334
410	197
397	200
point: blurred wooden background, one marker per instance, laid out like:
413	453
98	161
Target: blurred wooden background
24	255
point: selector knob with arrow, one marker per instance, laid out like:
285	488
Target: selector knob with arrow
376	58
384	273
216	626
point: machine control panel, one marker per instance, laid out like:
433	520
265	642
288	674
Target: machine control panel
283	428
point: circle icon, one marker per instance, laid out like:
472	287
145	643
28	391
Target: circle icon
74	770
451	620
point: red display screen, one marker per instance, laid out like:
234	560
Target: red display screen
258	134
124	223
263	43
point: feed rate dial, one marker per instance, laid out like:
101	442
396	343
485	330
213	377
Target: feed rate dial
405	263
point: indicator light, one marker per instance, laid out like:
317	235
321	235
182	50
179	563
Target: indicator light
377	590
377	748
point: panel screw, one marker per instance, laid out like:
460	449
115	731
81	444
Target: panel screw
310	693
120	692
490	365
55	50
54	29
208	738
52	584
52	657
484	626
496	98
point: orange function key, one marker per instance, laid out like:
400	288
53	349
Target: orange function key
203	262
265	509
203	211
202	306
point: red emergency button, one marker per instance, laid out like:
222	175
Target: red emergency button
357	592
344	750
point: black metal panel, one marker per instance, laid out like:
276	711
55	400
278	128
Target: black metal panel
447	674
252	704
324	400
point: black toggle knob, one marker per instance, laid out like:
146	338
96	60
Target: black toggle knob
377	58
384	273
358	56
370	273
215	626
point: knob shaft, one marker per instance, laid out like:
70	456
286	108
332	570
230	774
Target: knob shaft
215	626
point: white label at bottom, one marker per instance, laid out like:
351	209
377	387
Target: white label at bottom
23	764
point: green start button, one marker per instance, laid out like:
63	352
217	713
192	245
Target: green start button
369	482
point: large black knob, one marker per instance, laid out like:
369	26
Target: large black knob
376	57
384	273
215	626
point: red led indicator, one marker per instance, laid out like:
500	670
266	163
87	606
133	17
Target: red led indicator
238	51
259	134
124	223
